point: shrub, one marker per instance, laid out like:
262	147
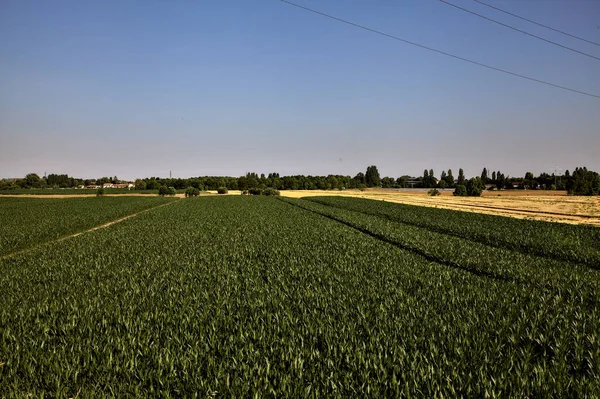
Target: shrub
255	191
192	192
460	191
553	187
100	192
362	187
164	190
222	190
434	192
475	187
270	191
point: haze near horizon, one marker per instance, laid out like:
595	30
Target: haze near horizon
140	89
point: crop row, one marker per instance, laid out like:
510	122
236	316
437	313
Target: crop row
25	222
250	296
474	257
553	240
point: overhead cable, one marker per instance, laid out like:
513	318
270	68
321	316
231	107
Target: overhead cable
439	51
519	30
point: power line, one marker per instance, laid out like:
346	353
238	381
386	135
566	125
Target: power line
537	23
519	30
438	51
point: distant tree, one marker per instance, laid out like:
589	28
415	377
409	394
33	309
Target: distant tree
442	183
32	180
140	184
461	177
528	181
450	179
484	176
269	191
388	182
425	179
372	178
475	187
103	180
251	180
584	182
163	190
222	190
494	177
152	184
401	181
192	192
62	181
443	177
242	183
100	191
460	190
500	181
360	179
333	182
431	178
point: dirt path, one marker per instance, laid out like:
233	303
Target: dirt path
69	236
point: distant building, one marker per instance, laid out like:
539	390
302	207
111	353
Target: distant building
118	185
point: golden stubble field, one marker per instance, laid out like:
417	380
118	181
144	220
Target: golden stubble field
555	206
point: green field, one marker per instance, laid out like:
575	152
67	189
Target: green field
72	191
254	296
26	222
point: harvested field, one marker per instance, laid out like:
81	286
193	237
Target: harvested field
554	206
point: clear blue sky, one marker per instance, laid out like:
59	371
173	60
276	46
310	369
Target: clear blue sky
223	87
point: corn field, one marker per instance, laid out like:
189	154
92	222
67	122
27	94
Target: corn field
272	297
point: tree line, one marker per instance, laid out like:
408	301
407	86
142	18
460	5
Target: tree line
581	182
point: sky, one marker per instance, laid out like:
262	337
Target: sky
224	87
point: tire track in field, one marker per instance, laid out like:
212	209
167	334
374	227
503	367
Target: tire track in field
69	236
417	251
521	248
